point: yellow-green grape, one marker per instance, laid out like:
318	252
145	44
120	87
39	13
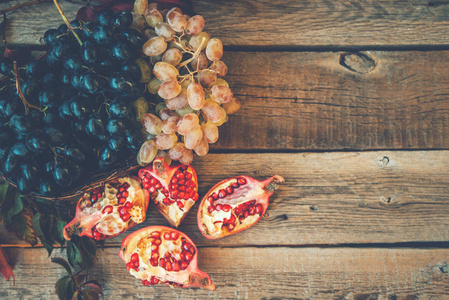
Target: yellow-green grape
177	102
169	89
153	85
180	46
212	111
165	71
219	67
147	153
207	78
164	154
151	123
164	30
176	20
141	107
193	138
160	106
221	82
195	25
232	106
188	123
196	40
166	113
153	16
186	82
139	21
200	62
149	33
170	125
165	141
155	59
177	151
195	96
172	56
210	132
145	70
184	111
202	148
221	94
154	46
145	135
140	6
214	50
224	117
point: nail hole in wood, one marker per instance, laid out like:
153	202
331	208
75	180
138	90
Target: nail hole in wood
313	208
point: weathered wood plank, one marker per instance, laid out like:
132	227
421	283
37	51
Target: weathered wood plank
333	198
261	273
290	23
309	100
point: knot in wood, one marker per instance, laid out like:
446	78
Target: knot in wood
357	62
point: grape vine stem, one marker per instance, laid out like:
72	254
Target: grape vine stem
195	55
66	21
19	90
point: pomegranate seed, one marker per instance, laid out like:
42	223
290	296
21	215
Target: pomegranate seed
225	221
218	207
125	194
176	267
259	208
186	246
195	197
180	204
128	205
167	255
166	201
155	201
167	236
174	236
184	265
237	211
136	264
145	282
231	226
125	217
186	196
146	186
153	181
189	176
168	266
182	182
182	188
135	257
214	196
122	210
232	219
172	201
189	190
121	189
166	194
180	176
252	210
210	199
153	262
152	189
97	235
162	262
229	190
146	180
154	247
222	193
119	195
121	200
174	187
158	185
174	193
151	239
210	209
189	256
181	195
226	208
241	181
174	180
156	234
130	266
235	185
155	280
108	209
157	242
182	256
246	214
126	185
155	255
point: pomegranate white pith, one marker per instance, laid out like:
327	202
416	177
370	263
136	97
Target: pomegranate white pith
109	210
234	204
162	255
173	189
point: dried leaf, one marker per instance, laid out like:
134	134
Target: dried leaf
5	268
22	226
94	287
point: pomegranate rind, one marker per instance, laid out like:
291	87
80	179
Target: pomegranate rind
164	173
83	223
264	190
190	277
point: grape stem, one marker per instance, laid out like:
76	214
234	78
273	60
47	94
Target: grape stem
195	55
66	21
19	90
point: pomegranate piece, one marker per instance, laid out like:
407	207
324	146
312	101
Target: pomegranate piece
162	255
173	189
109	210
234	204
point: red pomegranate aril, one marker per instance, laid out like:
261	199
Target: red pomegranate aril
214	196
188	176
195	197
174	180
222	193
229	190
180	204
166	201
130	266
181	195
184	265
153	262
235	185
241	181
174	236
154	280
135	257
226	207
152	189
237	211
168	266
210	209
96	235
125	194
121	200
136	264
174	187
174	193
146	180
157	242
156	234
128	205
155	255
180	176
245	213
126	217
252	210
162	262
259	208
93	198
153	181
108	209
122	210
182	188
158	185
167	255
145	282
189	256
154	247
230	226
241	218
121	189
218	207
176	267
167	236
146	186
232	219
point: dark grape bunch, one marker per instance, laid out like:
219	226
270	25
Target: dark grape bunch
81	99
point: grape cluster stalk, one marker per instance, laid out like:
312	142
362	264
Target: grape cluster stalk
194	98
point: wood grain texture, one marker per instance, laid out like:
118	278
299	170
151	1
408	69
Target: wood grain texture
290	23
336	100
332	198
261	273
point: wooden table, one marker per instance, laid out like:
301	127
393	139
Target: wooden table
348	100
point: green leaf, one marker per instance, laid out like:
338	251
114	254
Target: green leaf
70	290
22	226
12	205
37	227
74	255
56	233
81	278
88	245
64	263
3	190
75	295
61	286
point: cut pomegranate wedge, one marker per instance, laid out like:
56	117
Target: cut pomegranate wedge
162	255
109	210
174	188
234	204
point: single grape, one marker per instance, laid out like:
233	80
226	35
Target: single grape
21	124
148	33
169	89
165	71
200	62
153	16
154	46
219	67
121	109
57	136
152	123
187	157
51	36
102	35
140	6
117	144
210	132
170	125
184	111
24	186
172	56
164	30
193	138
214	49
107	155
37	141
177	102
232	106
198	40
145	70
146	153
176	20
62	174
153	85
48	187
220	82
92	83
164	155
95	126
223	119
195	96
133	37
10	165
188	123
195	25
212	111
104	17
177	151
165	113
36	68
116	127
122	51
133	139
81	107
207	78
221	94
122	84
122	19
165	141
202	148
